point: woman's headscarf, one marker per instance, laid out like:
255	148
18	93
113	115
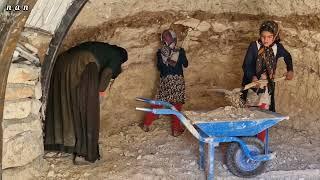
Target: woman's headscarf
270	26
169	51
266	61
122	57
123	54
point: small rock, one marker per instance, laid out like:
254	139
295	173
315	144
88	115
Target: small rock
139	151
38	91
66	174
127	137
194	34
227	108
115	149
17	109
316	37
87	174
214	37
218	27
139	157
51	174
35	107
204	26
20	73
15	92
50	154
233	115
191	22
128	154
148	157
192	163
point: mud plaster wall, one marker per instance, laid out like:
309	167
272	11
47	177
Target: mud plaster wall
215	35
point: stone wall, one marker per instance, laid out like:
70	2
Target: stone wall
22	126
22	136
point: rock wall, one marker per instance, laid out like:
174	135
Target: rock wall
98	11
22	136
22	125
215	35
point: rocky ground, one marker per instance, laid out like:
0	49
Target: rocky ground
135	154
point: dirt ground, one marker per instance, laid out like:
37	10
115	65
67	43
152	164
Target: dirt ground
135	154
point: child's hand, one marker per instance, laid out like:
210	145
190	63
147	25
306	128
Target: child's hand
171	62
263	76
289	75
254	79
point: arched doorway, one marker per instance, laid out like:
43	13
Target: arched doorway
54	46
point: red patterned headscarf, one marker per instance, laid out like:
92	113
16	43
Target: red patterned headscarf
266	61
169	52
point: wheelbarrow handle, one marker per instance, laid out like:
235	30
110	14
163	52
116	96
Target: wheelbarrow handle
180	116
248	86
263	82
155	102
144	109
143	99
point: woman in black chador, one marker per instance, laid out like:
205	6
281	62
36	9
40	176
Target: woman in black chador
73	111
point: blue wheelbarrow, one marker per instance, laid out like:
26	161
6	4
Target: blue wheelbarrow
246	155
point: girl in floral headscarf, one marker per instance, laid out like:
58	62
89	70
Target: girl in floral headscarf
170	63
261	59
262	56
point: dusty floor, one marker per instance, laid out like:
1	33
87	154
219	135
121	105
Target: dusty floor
135	154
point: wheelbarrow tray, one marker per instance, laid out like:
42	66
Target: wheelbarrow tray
211	127
236	128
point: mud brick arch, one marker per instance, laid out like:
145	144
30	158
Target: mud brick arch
10	30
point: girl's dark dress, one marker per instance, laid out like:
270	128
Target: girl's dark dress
249	66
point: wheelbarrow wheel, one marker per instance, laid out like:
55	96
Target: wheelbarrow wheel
241	166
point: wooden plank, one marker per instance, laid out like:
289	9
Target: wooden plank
48	14
45	11
248	86
9	36
35	13
62	11
53	14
